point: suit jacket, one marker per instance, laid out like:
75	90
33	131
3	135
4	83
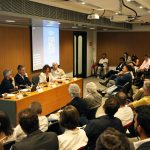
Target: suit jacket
144	146
22	81
96	126
38	140
6	86
120	66
121	80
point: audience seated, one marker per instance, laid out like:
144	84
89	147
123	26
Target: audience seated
6	130
57	72
36	139
118	69
102	65
142	126
45	75
96	126
7	84
111	139
78	103
21	77
146	99
127	57
135	61
124	113
35	107
74	137
93	99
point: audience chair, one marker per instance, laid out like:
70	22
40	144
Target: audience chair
8	145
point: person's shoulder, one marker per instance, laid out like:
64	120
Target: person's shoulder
50	134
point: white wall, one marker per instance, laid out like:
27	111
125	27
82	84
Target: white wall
91	50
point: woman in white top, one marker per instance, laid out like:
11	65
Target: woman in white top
74	137
46	75
43	122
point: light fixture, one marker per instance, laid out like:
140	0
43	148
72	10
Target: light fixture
74	27
83	3
141	7
10	21
100	9
148	11
128	0
116	13
92	28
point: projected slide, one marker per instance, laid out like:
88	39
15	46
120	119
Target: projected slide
45	45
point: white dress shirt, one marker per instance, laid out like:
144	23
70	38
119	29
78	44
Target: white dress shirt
104	61
72	139
42	77
59	73
139	143
125	114
19	134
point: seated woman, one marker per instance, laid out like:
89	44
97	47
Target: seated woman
93	99
8	84
74	137
45	75
5	128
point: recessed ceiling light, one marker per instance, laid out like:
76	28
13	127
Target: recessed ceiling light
83	3
59	23
100	9
10	21
105	29
128	0
148	11
141	7
74	27
116	13
92	28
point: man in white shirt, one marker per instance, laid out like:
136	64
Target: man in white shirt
103	65
124	113
142	127
57	72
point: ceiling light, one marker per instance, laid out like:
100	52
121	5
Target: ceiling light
105	29
100	9
141	7
116	13
83	3
128	0
149	11
92	28
10	21
74	27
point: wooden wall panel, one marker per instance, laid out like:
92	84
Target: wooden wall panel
66	50
116	43
15	49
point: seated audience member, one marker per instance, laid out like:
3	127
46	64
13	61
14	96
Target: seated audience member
36	139
74	137
45	75
146	99
127	57
77	102
21	77
7	84
6	130
135	60
124	113
57	72
102	65
112	139
93	99
142	127
35	107
96	126
138	95
118	69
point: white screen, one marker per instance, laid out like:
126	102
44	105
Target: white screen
45	46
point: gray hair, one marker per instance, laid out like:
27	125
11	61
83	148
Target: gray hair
147	85
6	73
74	90
91	87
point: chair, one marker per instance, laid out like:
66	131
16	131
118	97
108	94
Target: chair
8	145
35	79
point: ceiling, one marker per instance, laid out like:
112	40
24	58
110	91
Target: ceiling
111	7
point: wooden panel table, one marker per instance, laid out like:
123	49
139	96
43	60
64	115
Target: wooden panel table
50	98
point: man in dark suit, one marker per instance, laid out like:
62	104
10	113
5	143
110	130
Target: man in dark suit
8	84
36	139
21	77
96	126
142	127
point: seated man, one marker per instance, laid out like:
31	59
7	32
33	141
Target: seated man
8	84
146	99
142	126
43	121
21	77
96	126
102	65
36	139
124	113
57	72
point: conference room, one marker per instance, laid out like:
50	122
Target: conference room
66	63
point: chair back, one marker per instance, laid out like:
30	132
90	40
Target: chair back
35	79
8	145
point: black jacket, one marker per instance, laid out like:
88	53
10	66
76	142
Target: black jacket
38	141
144	146
96	126
6	86
22	81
